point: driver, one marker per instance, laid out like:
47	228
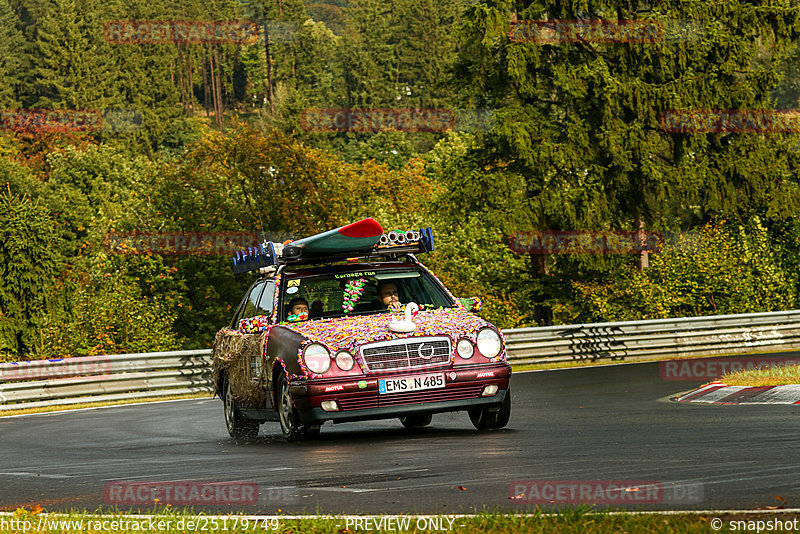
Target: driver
298	309
388	296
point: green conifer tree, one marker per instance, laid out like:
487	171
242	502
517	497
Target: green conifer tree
29	262
579	120
72	64
12	46
369	54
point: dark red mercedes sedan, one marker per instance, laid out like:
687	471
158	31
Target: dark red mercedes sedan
352	337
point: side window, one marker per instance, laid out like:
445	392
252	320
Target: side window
238	315
264	306
251	306
246	304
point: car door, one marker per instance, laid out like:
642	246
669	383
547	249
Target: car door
259	303
246	369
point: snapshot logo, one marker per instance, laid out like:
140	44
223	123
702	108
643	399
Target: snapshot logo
180	31
584	242
602	31
180	493
399	119
69	120
57	368
711	368
561	492
730	121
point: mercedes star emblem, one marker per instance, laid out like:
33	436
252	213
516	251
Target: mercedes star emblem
423	352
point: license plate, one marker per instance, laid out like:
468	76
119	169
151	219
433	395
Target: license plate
410	383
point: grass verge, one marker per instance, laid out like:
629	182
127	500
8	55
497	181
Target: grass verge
578	521
48	409
779	375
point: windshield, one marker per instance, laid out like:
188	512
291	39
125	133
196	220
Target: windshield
359	293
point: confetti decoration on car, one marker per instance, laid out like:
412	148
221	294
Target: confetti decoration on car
353	290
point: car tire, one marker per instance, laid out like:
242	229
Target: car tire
239	427
479	418
416	421
292	428
501	418
483	419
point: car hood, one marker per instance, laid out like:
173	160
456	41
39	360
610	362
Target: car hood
350	332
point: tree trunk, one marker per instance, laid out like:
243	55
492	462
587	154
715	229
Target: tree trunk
216	91
644	255
542	314
213	84
182	81
190	85
206	90
218	99
270	95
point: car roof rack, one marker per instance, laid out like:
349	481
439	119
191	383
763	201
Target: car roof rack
391	246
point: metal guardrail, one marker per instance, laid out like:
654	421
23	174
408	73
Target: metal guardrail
104	378
156	374
667	338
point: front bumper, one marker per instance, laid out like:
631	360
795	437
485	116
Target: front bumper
358	402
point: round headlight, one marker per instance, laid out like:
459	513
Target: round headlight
317	358
489	343
344	360
465	348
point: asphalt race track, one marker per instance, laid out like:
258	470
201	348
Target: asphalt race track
591	424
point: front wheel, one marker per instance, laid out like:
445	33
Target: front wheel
483	418
416	421
292	428
239	427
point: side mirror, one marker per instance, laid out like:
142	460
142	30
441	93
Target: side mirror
471	304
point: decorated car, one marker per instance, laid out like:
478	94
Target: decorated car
348	325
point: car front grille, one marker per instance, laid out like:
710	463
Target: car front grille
409	353
412	397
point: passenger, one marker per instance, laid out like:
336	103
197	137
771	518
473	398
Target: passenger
388	296
298	310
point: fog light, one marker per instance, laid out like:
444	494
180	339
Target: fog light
333	406
489	390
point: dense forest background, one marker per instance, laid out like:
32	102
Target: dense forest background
555	136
